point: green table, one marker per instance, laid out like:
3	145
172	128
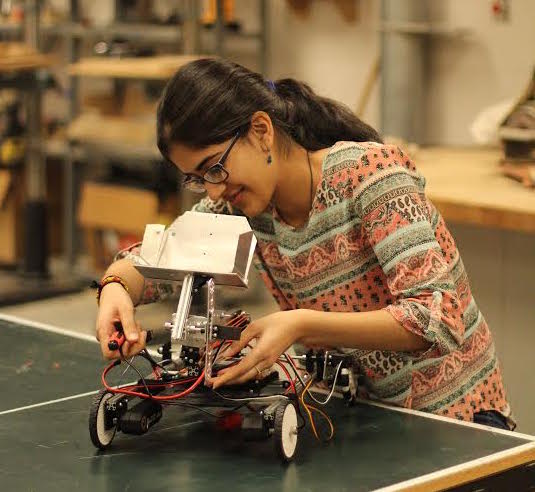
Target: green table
46	446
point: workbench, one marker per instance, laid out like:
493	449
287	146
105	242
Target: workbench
50	376
467	186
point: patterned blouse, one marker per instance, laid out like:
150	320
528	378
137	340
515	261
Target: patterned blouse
374	241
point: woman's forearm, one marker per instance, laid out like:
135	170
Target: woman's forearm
372	330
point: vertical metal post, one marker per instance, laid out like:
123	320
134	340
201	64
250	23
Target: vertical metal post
264	37
219	30
191	35
35	240
210	310
402	71
69	194
182	309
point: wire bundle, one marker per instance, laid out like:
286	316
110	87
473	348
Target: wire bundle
241	320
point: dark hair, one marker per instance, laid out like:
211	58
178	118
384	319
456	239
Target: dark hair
208	100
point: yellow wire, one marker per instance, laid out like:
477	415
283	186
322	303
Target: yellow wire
311	418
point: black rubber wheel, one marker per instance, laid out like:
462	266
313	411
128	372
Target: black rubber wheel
100	436
285	431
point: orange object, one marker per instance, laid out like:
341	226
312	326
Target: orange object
209	13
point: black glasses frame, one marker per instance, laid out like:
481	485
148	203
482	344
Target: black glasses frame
196	183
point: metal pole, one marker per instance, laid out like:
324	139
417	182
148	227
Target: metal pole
210	310
35	169
69	193
403	71
219	30
182	309
35	240
264	37
191	35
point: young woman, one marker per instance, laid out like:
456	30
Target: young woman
352	250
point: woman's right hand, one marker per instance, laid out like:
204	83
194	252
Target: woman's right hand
116	305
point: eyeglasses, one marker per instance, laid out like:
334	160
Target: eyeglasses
215	174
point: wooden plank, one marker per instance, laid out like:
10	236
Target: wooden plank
160	67
469	472
95	128
467	186
18	56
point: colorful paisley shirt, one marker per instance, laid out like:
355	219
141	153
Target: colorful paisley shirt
375	241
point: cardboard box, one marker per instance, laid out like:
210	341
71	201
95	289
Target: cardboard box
10	217
120	209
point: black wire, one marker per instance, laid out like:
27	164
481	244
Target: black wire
248	399
139	373
218	349
200	409
145	354
190	405
172	403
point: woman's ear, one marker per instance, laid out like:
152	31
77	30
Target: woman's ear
261	130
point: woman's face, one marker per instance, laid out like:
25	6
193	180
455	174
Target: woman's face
251	181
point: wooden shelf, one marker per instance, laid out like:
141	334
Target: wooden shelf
141	31
115	135
154	67
467	186
18	56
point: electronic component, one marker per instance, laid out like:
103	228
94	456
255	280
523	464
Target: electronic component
267	407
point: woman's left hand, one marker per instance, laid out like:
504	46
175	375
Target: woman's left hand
275	333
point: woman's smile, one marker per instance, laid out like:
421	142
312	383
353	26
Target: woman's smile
236	197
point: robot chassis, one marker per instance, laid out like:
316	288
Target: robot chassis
266	406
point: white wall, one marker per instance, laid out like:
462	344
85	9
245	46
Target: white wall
494	64
465	76
331	54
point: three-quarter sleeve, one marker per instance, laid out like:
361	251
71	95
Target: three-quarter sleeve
397	224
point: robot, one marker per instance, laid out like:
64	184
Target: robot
205	250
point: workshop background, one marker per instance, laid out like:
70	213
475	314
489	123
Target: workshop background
453	82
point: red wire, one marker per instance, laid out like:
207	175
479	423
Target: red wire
292	385
158	384
144	395
236	321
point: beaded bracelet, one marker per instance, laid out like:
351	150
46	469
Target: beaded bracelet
110	279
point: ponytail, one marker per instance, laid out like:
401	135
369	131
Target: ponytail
208	100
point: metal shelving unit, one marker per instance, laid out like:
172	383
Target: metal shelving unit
32	280
188	37
132	31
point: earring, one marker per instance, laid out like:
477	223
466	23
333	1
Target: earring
269	159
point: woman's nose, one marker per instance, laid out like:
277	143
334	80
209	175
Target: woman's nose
215	191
